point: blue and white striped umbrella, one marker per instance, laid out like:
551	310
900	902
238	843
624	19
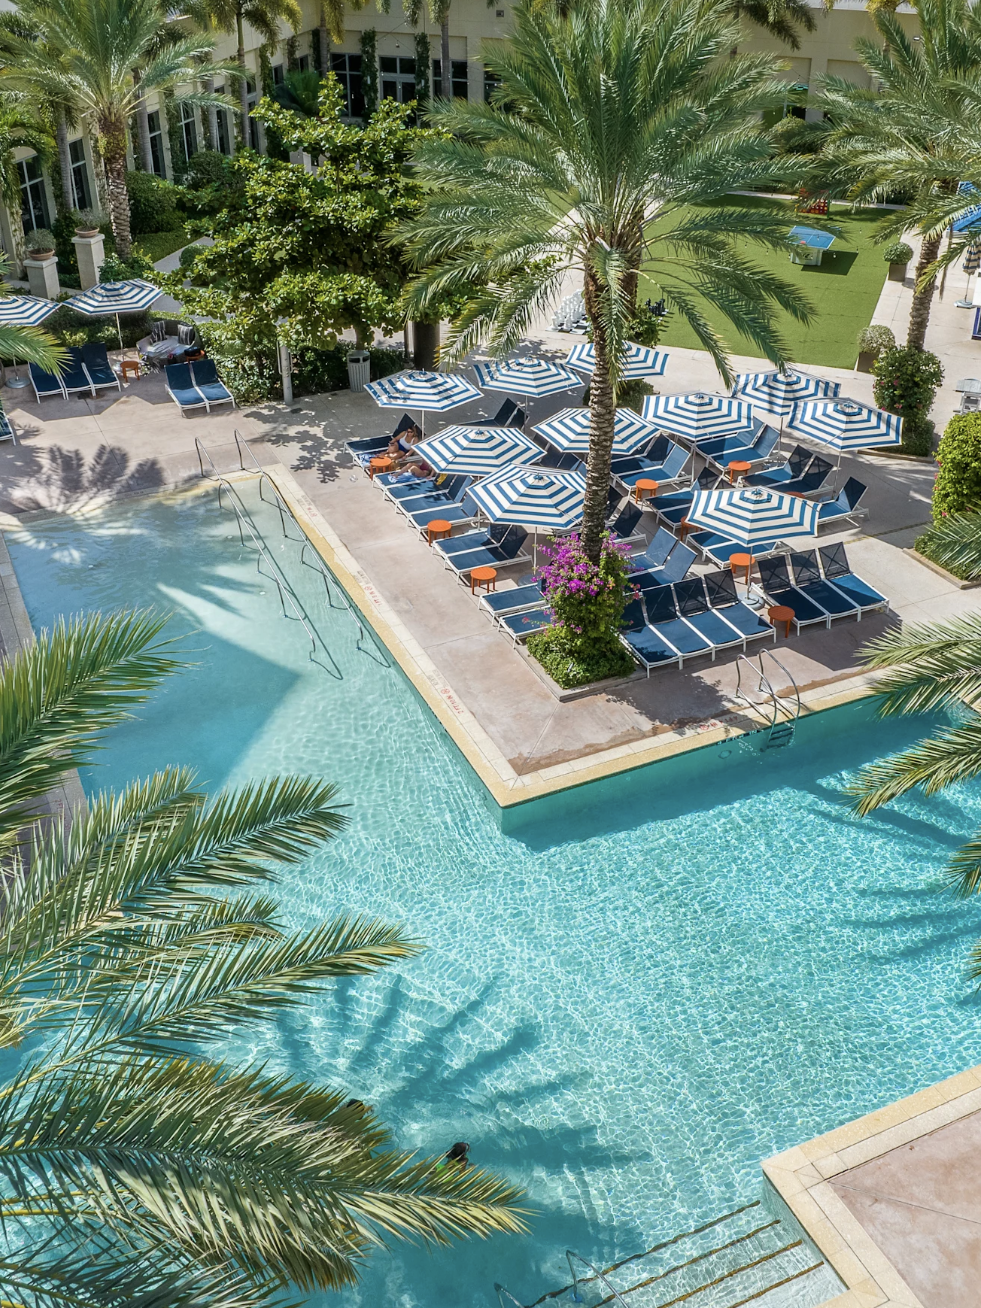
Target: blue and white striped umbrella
542	499
115	297
477	451
699	416
568	431
24	310
845	424
417	389
639	361
776	393
534	378
752	515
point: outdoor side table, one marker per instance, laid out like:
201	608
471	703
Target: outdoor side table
381	463
737	468
129	367
741	561
486	577
438	529
781	613
644	489
684	527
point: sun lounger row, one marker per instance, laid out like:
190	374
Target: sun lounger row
720	451
196	385
818	585
366	448
670	624
663	461
803	473
87	368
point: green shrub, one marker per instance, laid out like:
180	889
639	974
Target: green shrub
120	270
208	168
875	339
569	665
958	485
39	239
73	328
189	254
906	381
897	252
152	204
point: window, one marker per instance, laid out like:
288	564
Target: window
398	78
277	72
33	199
80	174
491	82
347	69
460	74
189	131
303	63
253	93
223	134
156	144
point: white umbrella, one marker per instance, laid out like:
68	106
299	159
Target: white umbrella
416	388
845	424
568	431
477	451
531	378
539	499
24	311
639	361
699	416
131	296
753	515
776	393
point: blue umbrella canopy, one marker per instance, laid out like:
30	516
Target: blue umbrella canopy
776	393
415	388
972	259
568	431
25	310
751	515
534	378
699	416
477	451
845	424
115	297
639	360
540	498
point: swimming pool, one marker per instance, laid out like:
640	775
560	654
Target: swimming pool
633	992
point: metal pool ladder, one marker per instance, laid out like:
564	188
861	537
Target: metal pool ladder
780	731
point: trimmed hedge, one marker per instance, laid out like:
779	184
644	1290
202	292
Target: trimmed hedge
958	484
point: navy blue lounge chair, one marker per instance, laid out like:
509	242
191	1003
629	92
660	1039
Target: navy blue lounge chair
372	445
812	480
205	377
795	465
6	431
693	607
464	509
663	462
515	599
675	505
623	528
649	647
450	490
45	383
726	449
480	539
508	415
720	590
74	378
181	388
675	568
809	579
656	554
519	626
780	589
95	357
402	492
505	553
837	570
719	549
845	507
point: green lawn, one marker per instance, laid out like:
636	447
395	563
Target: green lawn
157	245
843	292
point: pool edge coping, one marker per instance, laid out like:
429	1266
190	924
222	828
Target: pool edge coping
801	1176
507	787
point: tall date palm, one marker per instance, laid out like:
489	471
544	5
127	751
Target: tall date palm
133	1167
615	122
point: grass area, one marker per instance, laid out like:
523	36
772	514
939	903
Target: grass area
843	292
157	245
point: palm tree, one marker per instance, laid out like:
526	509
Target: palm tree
27	343
906	136
99	44
133	1167
612	124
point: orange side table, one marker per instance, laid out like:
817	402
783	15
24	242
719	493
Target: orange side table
129	368
644	489
438	529
486	577
737	468
741	561
684	527
380	463
782	613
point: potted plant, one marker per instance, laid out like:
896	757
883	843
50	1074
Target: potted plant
871	342
897	256
88	222
40	244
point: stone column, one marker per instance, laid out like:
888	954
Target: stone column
42	277
91	255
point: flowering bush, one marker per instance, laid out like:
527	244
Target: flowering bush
906	380
587	602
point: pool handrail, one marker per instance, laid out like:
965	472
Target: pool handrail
576	1297
764	683
501	1292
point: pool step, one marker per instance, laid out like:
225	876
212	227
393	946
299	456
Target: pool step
748	1257
781	735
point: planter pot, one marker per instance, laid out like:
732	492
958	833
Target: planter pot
39	256
866	361
897	272
358	369
87	231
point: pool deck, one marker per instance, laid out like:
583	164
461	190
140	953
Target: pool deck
519	735
893	1199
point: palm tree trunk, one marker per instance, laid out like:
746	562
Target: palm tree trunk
209	86
243	86
919	314
65	164
445	67
324	42
114	161
143	128
602	414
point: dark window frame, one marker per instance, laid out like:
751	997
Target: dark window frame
33	194
80	174
347	68
158	156
460	78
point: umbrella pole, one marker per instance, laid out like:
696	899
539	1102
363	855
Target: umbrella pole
967	302
119	332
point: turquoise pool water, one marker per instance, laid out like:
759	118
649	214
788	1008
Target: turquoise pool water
632	992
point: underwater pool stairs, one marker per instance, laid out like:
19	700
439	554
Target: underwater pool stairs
746	1257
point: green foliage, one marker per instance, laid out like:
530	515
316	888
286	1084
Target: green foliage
71	328
369	72
208	168
120	270
570	664
157	245
39	239
897	252
875	339
958	486
906	381
152	203
648	325
424	59
955	543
